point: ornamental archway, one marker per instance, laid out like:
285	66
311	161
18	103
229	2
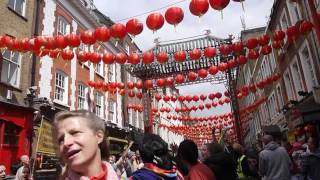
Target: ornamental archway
214	52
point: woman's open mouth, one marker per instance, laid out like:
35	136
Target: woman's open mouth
71	154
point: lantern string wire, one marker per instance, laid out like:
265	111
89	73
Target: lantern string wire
163	7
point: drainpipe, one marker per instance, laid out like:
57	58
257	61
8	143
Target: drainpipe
35	33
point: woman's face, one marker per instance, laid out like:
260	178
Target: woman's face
78	144
25	173
2	172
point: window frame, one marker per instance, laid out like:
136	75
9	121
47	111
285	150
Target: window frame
111	72
82	96
288	85
297	77
64	100
111	110
62	21
292	7
23	9
11	63
99	104
305	69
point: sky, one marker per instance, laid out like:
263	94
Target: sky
255	14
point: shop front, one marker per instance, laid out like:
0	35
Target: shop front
16	132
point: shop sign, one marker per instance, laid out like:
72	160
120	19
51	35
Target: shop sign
46	144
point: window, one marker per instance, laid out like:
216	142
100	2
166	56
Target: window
111	73
135	119
279	98
82	96
61	85
297	78
272	61
18	6
62	26
284	20
293	12
288	85
10	72
99	105
11	134
111	109
99	68
307	66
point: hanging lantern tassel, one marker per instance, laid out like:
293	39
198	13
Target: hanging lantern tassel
221	14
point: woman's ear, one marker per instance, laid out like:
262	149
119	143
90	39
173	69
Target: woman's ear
100	136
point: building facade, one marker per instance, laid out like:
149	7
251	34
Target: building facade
297	62
15	79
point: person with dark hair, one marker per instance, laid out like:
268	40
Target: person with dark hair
2	172
80	135
158	164
188	151
310	165
221	163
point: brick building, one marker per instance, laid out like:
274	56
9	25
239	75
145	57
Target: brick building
291	101
15	79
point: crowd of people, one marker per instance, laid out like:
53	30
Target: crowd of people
84	153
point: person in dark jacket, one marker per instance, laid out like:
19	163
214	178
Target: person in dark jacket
221	163
158	164
310	165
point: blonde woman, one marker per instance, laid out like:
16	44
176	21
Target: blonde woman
82	146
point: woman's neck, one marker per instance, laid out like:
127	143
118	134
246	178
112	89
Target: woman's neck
94	167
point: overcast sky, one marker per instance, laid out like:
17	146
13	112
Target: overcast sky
256	14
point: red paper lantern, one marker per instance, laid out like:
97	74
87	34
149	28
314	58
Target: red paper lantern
232	63
209	52
305	27
213	70
198	7
242	60
265	50
108	58
67	54
238	47
148	84
173	98
148	57
73	40
88	37
155	21
252	43
54	53
118	31
170	81
134	58
130	85
203	73
179	78
225	50
192	76
212	96
277	44
81	56
95	57
218	95
253	54
292	32
201	107
158	97
61	42
174	15
203	97
195	98
161	82
222	66
139	84
278	35
166	98
134	27
131	94
264	40
180	56
195	54
162	57
219	4
181	98
102	34
208	105
121	58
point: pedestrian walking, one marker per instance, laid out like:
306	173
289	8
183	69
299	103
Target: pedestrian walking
25	163
243	169
158	164
81	141
188	151
310	165
274	161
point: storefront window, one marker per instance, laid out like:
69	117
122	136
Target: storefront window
11	134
